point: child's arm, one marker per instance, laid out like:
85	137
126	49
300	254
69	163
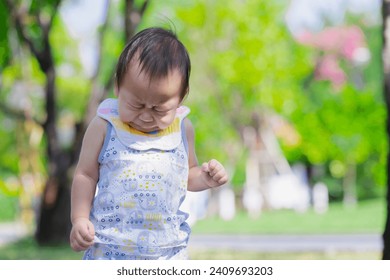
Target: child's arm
211	174
84	185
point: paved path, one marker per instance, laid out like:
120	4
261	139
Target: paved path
288	243
10	232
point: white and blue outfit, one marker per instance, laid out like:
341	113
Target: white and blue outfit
142	183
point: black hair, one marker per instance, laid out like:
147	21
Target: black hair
159	51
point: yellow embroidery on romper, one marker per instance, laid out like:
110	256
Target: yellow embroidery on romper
128	204
153	217
174	127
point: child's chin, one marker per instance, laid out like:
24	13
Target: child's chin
145	130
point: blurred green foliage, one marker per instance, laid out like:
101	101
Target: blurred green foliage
8	206
5	52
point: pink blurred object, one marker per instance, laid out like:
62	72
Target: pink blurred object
339	40
336	43
329	69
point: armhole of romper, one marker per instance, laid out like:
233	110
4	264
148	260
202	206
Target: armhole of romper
184	136
106	141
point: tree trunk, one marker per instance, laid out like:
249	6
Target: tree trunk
54	218
53	223
349	186
386	90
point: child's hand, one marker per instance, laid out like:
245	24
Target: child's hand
82	234
215	173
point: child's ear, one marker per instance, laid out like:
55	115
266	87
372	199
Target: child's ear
116	90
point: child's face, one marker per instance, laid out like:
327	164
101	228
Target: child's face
148	104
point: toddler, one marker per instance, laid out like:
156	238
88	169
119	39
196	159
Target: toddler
139	152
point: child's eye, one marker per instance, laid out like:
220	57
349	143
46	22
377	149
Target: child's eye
157	109
160	112
136	106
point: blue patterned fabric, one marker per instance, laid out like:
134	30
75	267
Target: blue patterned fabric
136	209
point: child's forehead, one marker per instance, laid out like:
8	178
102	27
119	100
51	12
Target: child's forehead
138	81
138	69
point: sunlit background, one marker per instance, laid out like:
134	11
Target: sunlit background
287	94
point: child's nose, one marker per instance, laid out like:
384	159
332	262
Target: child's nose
146	116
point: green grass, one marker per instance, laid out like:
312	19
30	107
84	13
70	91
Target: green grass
236	255
28	249
367	217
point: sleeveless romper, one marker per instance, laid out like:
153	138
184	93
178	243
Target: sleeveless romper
142	183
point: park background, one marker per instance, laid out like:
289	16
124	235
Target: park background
287	94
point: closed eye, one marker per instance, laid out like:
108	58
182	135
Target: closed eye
160	113
136	106
157	109
160	110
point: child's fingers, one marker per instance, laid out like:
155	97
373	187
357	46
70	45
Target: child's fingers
78	243
215	167
91	230
205	167
213	164
220	177
86	233
87	237
82	236
216	173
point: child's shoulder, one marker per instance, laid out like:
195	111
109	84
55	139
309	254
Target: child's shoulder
98	125
95	134
108	108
